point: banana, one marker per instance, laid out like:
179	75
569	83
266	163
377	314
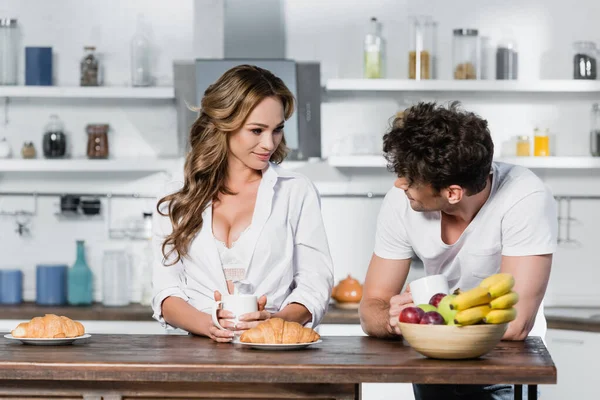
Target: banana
500	288
498	284
505	301
494	279
472	315
471	298
500	316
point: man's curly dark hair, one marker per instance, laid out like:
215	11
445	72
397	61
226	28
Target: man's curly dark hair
440	146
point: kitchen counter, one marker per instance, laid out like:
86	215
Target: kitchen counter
566	318
161	366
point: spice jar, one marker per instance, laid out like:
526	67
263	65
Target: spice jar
97	143
28	150
523	146
541	143
584	60
465	52
54	142
89	68
507	60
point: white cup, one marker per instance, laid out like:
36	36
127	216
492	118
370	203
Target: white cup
423	289
238	304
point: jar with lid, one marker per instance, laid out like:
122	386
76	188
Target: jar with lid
422	42
595	131
97	143
507	59
89	68
585	60
541	143
28	150
465	53
523	146
374	51
54	142
9	51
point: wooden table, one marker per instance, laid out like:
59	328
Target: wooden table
110	367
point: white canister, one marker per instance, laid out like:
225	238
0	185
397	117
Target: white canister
116	274
5	149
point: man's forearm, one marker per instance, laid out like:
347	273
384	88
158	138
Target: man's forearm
374	318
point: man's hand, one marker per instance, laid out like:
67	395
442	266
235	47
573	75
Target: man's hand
397	304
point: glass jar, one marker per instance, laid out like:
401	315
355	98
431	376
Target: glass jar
97	143
523	146
465	53
89	67
422	42
54	142
374	48
9	51
595	131
541	143
507	59
584	60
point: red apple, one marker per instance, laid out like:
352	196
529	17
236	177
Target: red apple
436	298
432	318
411	315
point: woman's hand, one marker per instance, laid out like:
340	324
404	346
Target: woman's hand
250	320
226	320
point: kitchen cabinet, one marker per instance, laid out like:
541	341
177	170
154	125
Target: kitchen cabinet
575	355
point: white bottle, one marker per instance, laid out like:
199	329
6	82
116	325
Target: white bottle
140	56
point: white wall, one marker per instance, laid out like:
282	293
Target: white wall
332	33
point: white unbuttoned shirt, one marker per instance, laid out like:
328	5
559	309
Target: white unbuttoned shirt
287	256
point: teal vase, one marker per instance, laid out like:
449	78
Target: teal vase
80	279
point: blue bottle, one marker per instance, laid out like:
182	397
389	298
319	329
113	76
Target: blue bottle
80	279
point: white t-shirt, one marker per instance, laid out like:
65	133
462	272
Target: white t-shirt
518	219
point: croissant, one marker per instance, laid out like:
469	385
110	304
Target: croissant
278	331
49	326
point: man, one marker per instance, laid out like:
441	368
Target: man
465	217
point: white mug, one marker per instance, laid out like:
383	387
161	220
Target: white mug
238	304
423	289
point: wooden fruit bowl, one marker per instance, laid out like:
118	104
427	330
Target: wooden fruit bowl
452	342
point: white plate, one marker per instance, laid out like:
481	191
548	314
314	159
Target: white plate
48	342
270	346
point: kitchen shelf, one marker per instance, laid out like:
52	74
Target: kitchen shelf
138	165
374	161
554	162
100	92
484	86
367	161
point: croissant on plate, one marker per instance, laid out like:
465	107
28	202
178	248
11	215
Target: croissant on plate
278	331
48	327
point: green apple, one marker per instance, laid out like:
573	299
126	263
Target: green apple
444	309
427	307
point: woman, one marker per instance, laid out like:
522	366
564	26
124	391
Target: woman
238	216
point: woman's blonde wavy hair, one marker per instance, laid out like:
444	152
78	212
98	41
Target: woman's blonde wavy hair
224	108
